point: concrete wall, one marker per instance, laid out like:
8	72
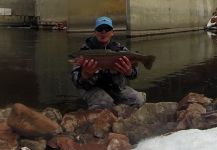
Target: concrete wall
19	7
52	10
141	17
159	16
81	14
21	12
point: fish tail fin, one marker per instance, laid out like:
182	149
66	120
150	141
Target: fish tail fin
149	62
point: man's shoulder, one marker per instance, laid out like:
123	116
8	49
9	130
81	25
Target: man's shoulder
89	42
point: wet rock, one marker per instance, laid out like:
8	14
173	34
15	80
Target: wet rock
33	144
91	129
29	123
8	139
95	122
210	119
90	126
191	112
73	120
4	113
214	105
124	111
191	117
150	119
194	98
103	123
137	131
65	142
86	138
155	112
53	114
101	129
118	142
93	146
117	136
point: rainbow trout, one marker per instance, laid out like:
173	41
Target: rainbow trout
107	58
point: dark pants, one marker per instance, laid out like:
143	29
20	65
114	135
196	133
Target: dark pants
99	98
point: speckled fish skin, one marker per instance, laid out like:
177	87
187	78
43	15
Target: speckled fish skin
107	58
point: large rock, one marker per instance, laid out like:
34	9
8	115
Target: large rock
118	142
8	139
71	121
123	111
65	142
114	142
29	123
210	119
151	119
101	120
194	98
53	113
4	113
103	123
196	111
33	144
191	117
155	112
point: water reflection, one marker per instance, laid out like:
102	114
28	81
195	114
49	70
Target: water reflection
34	67
17	77
51	67
182	66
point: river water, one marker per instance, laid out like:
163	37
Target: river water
34	68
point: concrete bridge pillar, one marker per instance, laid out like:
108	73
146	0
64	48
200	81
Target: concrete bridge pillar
167	16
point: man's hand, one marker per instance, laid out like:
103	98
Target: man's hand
124	66
88	68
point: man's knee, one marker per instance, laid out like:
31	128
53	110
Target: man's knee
100	106
141	98
136	99
98	99
100	102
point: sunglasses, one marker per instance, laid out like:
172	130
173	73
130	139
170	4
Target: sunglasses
103	28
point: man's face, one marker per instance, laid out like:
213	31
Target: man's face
104	34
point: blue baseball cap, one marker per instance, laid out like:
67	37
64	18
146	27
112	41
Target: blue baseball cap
103	20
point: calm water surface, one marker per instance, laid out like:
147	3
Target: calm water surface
34	68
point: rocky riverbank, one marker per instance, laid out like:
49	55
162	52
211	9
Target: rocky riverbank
119	128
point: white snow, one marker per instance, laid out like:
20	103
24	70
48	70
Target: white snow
192	139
